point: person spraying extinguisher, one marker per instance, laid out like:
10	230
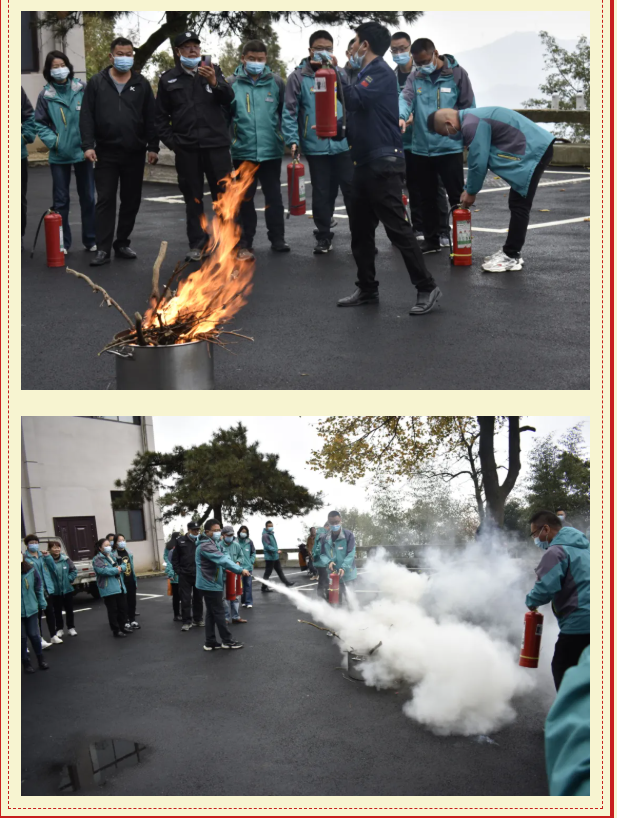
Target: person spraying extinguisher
563	579
231	547
335	551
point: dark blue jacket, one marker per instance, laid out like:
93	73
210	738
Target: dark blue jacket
372	114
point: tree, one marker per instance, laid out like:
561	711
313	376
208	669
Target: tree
229	57
568	76
394	448
227	477
223	23
98	34
160	62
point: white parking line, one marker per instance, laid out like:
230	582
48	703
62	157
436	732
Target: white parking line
150	596
531	226
542	184
78	610
179	198
570	172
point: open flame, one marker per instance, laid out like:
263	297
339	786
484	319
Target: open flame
211	296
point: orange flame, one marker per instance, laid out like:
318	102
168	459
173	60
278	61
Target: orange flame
210	297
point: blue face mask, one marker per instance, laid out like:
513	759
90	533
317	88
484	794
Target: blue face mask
121	545
255	67
427	69
216	535
123	64
322	56
60	74
243	536
356	61
190	62
401	59
107	549
229	539
193	536
335	527
270	530
33	546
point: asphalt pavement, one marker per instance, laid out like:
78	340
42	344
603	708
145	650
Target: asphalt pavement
518	330
277	718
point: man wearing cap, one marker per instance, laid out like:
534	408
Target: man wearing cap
191	120
183	562
231	547
335	552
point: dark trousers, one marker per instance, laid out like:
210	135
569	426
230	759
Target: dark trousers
324	582
84	178
109	173
568	649
215	615
247	590
131	599
191	165
117	612
191	599
520	208
24	195
274	565
62	602
415	201
328	173
377	197
175	598
269	177
427	171
30	630
50	617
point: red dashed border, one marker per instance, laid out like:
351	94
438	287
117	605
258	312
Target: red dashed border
608	540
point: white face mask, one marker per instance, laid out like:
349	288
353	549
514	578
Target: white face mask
562	517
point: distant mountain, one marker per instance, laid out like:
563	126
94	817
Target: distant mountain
508	71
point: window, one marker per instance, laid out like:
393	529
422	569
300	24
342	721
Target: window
129	521
29	43
134	419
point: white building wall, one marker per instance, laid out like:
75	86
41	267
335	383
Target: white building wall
69	467
74	48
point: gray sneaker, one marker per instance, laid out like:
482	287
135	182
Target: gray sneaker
426	302
199	624
231	645
186	627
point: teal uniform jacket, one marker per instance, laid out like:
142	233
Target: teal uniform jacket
57	121
256	116
64	572
211	563
169	569
247	553
28	126
564	580
45	569
271	549
32	596
566	733
341	551
108	580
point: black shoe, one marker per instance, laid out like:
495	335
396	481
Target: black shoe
289	584
322	246
358	299
231	645
100	258
126	630
177	619
430	247
265	590
426	302
27	666
216	646
280	246
120	635
42	663
125	252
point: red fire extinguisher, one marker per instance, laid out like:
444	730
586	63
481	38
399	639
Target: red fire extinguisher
532	637
296	188
460	240
230	585
238	585
326	108
333	589
54	239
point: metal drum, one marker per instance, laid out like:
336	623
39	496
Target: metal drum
179	366
353	660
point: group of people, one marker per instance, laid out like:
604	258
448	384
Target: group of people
408	124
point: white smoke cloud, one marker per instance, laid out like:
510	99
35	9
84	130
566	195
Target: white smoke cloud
450	637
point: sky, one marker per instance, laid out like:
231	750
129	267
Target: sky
452	31
293	439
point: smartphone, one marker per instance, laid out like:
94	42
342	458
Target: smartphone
206	60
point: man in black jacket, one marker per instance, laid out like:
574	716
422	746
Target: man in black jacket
192	119
117	126
379	172
183	562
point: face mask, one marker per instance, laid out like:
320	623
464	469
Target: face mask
229	539
270	530
33	546
401	59
255	67
335	527
107	549
123	64
60	73
356	60
121	545
193	536
216	536
321	56
562	517
427	69
190	62
243	536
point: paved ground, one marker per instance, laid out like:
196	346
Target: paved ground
523	330
276	718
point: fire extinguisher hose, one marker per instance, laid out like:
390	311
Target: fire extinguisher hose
38	229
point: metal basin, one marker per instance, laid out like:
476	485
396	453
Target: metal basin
353	662
181	366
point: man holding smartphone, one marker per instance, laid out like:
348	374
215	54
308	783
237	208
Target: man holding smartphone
191	121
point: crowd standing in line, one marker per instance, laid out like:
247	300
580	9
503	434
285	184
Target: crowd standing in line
403	126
